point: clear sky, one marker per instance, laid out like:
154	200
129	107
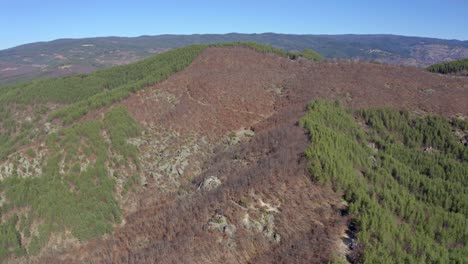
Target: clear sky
25	21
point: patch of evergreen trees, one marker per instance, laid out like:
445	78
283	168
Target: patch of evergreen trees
450	67
409	204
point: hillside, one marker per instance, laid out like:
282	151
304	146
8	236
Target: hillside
228	153
68	56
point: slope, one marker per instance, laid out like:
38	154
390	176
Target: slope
268	94
46	160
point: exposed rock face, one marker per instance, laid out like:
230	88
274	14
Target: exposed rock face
221	224
23	165
210	183
260	218
170	158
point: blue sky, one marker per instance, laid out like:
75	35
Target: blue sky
25	21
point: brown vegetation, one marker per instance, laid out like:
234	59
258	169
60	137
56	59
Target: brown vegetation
229	88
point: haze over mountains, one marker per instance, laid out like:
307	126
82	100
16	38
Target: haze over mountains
69	56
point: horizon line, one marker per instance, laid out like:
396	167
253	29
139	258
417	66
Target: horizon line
229	33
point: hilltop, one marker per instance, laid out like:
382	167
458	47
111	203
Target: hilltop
68	56
235	153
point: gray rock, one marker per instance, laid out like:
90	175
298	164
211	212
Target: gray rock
210	183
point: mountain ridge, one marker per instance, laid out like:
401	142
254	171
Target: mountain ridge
232	33
70	56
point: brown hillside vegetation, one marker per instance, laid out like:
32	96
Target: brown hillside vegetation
226	89
242	194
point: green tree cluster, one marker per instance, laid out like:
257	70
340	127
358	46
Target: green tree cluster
409	204
456	66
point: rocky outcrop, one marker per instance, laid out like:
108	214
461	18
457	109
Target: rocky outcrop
209	183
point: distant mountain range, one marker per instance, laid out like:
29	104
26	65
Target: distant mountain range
69	56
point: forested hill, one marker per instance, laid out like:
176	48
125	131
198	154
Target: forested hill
457	67
67	56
